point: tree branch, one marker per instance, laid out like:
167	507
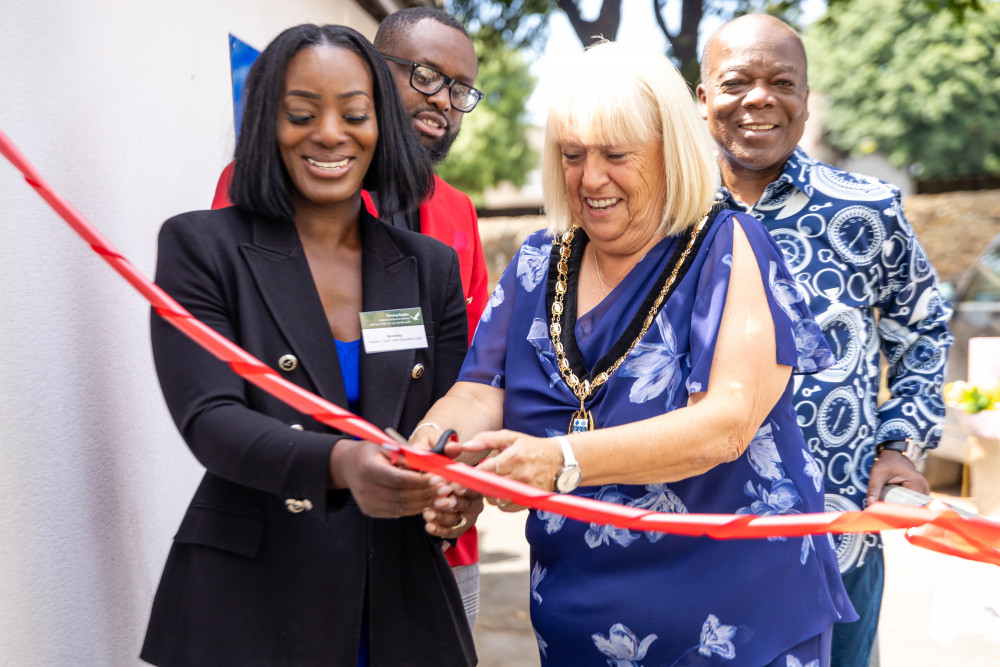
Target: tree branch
658	13
686	43
606	25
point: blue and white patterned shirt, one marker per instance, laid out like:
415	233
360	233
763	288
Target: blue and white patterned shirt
870	286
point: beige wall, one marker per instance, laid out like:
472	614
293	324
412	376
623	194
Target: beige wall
125	108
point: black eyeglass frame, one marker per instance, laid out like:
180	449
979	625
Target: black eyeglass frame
445	81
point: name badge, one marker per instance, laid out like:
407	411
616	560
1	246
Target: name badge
390	330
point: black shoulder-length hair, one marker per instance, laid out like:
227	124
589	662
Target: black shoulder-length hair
400	171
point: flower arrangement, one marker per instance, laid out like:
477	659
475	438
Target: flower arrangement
972	398
979	405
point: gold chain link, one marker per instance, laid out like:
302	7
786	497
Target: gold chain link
583	388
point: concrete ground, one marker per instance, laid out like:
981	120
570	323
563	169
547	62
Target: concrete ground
938	611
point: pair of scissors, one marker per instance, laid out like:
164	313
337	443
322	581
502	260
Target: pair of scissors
449	435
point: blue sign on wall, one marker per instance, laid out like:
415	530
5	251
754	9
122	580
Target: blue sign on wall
241	57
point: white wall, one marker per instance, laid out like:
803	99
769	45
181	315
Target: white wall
125	107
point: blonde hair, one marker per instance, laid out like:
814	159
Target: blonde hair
613	96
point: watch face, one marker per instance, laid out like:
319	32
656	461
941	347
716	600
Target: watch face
794	247
844	332
568	479
857	234
847	546
839	416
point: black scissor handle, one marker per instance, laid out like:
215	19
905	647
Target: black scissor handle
446	436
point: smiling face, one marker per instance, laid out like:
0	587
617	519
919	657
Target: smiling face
754	95
326	126
448	51
616	193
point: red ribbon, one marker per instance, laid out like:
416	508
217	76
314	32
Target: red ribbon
935	527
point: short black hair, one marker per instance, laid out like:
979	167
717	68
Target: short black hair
400	171
397	26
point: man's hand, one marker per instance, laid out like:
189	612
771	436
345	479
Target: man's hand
892	467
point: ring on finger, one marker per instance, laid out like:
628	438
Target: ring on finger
496	466
461	524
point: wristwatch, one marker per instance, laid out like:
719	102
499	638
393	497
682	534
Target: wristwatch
569	476
911	450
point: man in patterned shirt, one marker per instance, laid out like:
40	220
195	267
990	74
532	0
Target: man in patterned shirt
865	277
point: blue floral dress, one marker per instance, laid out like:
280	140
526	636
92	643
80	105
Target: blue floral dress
607	595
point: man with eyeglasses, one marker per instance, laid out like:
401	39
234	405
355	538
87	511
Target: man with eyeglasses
435	66
432	59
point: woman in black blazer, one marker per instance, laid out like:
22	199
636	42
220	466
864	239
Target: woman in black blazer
302	546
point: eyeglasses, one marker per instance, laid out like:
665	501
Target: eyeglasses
427	80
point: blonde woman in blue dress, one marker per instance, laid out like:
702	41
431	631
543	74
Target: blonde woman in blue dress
641	351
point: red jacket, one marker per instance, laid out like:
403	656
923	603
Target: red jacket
448	216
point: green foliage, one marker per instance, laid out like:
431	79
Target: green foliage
519	24
922	87
789	11
958	8
491	146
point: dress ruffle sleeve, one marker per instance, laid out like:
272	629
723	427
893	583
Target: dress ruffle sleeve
799	339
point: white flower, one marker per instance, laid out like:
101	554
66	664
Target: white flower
553	522
807	546
813	470
781	499
604	534
542	644
810	346
538	336
539	331
762	452
785	292
532	265
537	574
660	498
656	365
715	638
622	646
495	300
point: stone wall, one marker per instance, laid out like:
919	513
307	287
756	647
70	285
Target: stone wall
954	227
502	237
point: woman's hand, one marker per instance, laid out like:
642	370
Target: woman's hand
451	515
381	489
425	436
534	461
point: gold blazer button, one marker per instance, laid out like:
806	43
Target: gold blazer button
288	362
417	371
296	506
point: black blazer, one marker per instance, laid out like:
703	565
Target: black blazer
248	581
